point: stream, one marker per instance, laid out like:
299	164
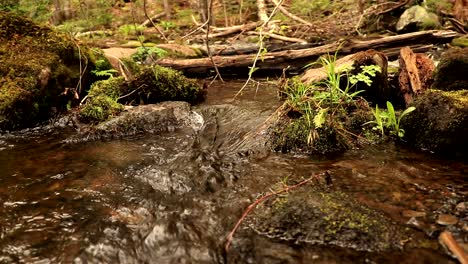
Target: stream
174	197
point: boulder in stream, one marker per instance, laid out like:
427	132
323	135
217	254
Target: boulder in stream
152	118
439	123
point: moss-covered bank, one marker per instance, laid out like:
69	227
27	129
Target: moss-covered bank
37	67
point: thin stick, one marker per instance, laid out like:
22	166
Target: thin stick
260	200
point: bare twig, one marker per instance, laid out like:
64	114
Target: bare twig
218	74
262	199
132	92
283	38
152	23
290	15
151	19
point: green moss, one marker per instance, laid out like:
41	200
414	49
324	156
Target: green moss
150	85
159	84
102	100
460	42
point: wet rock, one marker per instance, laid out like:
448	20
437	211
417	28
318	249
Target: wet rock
439	123
153	118
450	74
313	215
417	18
446	219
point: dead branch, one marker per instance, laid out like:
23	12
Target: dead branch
262	199
152	23
235	29
279	37
290	15
151	20
93	33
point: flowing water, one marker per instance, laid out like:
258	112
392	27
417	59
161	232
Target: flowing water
174	197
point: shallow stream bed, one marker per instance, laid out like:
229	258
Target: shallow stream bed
174	197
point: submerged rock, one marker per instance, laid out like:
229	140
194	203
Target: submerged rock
451	72
417	18
39	70
439	123
317	216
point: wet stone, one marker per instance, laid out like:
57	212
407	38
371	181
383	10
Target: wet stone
446	219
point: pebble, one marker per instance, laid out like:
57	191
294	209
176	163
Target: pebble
412	213
461	207
446	219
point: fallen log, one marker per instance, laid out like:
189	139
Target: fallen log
286	58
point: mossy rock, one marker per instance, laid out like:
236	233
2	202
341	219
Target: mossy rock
37	67
150	85
451	72
439	123
417	18
318	216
